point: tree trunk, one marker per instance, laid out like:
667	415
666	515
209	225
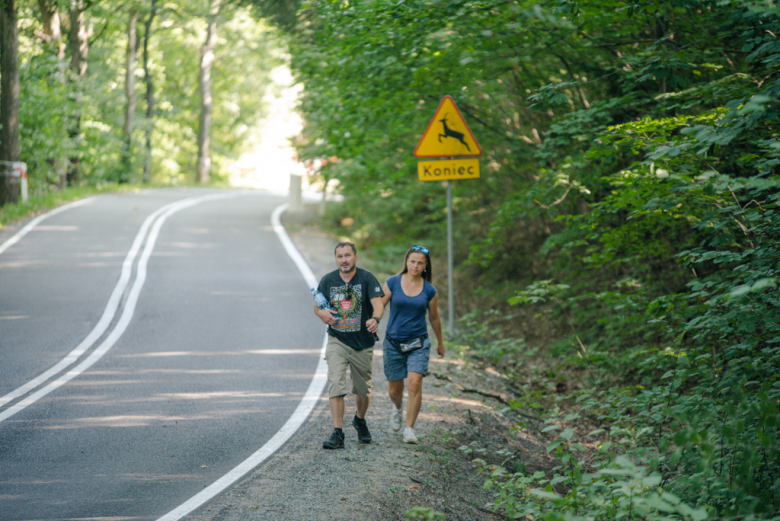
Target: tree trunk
9	98
78	45
52	29
204	82
127	131
149	96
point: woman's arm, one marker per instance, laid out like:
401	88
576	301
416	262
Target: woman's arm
387	296
433	316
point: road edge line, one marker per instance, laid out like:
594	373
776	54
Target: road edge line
295	421
32	224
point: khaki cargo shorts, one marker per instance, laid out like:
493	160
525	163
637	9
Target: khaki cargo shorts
340	356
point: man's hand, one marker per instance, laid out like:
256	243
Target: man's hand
327	316
372	325
440	349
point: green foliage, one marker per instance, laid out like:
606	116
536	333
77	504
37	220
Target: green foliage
52	97
620	484
630	185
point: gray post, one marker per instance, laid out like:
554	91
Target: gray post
451	284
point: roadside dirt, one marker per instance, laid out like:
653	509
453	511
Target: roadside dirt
463	406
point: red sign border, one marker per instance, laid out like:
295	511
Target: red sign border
433	120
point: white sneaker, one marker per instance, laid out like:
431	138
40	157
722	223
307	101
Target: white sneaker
396	419
409	436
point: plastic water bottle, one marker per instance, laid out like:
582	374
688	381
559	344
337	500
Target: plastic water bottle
320	300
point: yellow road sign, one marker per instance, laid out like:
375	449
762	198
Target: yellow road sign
448	169
447	134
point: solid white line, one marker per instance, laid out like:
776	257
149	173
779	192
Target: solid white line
32	224
127	312
292	251
105	320
293	423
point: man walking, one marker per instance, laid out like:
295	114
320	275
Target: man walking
356	297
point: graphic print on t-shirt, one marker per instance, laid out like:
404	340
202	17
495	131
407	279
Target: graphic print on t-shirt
347	301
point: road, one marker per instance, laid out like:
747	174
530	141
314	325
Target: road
215	353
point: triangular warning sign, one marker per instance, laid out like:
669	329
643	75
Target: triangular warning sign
447	134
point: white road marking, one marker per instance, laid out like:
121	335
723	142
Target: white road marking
32	224
124	319
298	417
103	323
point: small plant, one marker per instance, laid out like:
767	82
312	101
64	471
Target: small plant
424	513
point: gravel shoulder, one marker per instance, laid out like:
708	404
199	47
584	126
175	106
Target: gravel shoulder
463	405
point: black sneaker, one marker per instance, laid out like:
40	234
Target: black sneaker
336	440
363	435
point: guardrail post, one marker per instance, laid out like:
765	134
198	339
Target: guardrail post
295	203
20	170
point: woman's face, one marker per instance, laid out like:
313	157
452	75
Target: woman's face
415	263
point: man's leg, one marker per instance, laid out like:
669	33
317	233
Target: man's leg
360	370
337	373
337	411
362	405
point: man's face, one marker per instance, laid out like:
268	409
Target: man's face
346	259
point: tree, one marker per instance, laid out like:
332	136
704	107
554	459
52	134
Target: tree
206	100
127	132
147	176
78	45
52	36
9	95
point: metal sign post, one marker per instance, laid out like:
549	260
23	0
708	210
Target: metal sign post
453	139
450	282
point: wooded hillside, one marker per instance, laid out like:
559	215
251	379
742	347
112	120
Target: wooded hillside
627	209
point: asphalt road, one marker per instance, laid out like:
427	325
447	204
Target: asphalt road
217	354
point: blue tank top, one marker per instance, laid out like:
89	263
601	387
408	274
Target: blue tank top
407	314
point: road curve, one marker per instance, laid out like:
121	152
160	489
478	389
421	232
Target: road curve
217	355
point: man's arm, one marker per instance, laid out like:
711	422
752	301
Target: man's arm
379	310
325	315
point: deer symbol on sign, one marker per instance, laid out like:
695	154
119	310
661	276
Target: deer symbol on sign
448	132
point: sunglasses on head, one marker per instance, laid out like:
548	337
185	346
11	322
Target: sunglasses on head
420	248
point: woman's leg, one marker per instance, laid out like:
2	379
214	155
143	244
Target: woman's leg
396	390
414	386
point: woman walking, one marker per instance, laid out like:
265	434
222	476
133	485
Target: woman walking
407	347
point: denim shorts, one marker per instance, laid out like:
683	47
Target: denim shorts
398	364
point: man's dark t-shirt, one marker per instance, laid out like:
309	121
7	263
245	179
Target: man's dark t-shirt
352	302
